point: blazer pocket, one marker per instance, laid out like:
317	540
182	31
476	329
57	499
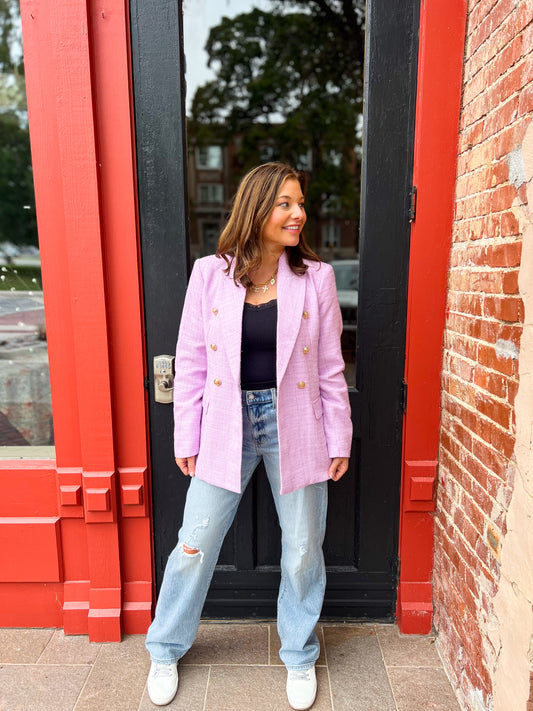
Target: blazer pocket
317	407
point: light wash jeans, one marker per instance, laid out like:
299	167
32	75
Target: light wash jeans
209	512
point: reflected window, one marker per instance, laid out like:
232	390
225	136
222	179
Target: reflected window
211	193
209	157
210	235
25	402
331	235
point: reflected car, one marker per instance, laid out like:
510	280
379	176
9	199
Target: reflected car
347	281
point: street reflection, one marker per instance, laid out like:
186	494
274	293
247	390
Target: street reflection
25	402
279	80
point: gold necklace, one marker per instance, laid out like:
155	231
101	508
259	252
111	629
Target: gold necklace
256	288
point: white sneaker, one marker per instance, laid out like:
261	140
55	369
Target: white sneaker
162	683
301	688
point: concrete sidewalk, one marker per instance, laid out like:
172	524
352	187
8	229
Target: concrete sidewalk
231	667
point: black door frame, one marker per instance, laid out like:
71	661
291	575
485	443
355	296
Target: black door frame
377	402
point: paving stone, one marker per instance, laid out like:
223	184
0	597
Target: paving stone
223	643
422	689
261	688
39	687
357	674
69	649
371	667
23	646
117	678
407	650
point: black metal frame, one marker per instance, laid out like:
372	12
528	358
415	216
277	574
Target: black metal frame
368	590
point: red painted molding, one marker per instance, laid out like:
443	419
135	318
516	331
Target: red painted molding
79	103
30	538
440	64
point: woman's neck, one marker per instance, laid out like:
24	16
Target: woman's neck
264	280
269	265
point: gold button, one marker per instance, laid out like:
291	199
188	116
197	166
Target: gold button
305	314
215	311
301	385
306	349
213	346
217	381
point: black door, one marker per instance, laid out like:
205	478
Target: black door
362	538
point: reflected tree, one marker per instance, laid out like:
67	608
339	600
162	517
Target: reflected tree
17	202
289	86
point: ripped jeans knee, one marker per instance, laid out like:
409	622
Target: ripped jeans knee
190	551
192	548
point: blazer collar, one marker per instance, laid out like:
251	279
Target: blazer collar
291	299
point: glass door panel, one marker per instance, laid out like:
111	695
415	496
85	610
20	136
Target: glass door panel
270	80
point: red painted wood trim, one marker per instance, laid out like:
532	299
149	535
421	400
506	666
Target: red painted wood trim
79	103
441	48
113	111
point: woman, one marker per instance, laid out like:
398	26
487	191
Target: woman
259	375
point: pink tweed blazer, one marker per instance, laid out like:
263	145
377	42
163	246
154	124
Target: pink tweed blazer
314	423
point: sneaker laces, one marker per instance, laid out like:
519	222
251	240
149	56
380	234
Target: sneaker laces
299	674
163	670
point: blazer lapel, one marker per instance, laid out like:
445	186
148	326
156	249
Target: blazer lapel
230	306
291	299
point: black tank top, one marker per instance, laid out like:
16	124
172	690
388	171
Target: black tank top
258	355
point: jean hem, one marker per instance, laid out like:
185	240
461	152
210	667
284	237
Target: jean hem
175	660
300	667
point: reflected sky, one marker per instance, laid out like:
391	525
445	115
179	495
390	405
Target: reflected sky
199	17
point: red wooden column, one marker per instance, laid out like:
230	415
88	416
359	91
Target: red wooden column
442	36
111	75
64	73
79	103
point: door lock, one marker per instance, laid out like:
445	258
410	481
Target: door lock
163	378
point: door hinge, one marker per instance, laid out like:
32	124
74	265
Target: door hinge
403	397
412	204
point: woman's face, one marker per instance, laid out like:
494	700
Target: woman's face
285	222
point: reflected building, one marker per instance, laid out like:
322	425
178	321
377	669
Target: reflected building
214	171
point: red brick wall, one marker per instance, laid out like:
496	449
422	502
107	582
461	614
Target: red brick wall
481	340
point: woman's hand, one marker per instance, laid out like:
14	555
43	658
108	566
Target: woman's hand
187	465
338	467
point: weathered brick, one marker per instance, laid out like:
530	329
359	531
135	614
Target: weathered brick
461	368
504	308
493	383
510	138
505	255
509	225
493	331
512	386
499	412
510	282
502	198
464	346
525	102
488	357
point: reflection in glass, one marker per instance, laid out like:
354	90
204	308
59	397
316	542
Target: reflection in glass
25	406
279	80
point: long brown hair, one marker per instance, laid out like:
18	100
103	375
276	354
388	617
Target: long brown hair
241	239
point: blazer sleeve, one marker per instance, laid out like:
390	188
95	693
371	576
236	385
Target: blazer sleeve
333	390
191	368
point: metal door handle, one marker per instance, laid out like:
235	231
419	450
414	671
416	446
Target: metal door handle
163	378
